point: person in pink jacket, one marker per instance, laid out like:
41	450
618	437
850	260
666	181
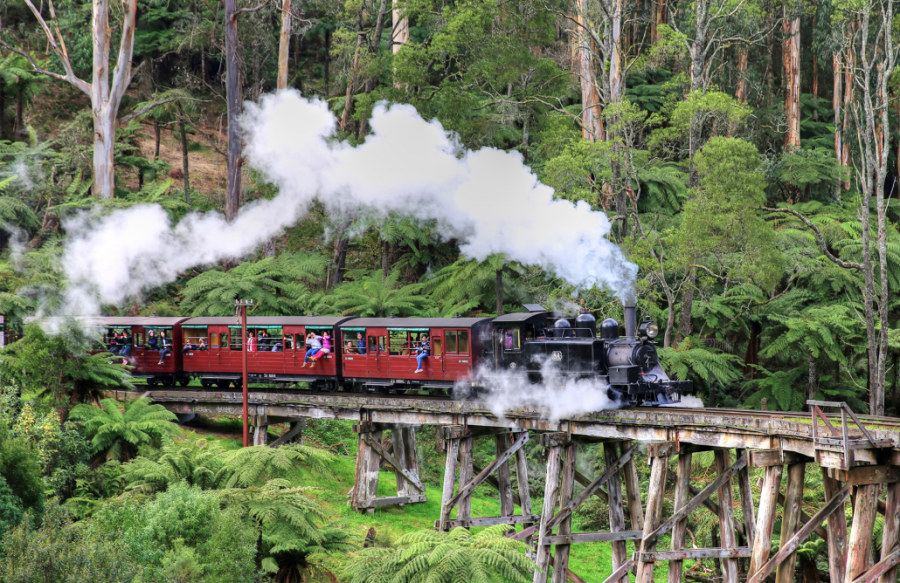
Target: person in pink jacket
251	343
326	348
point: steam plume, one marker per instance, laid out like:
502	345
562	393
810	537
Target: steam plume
486	198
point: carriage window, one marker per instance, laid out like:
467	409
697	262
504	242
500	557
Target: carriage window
214	340
450	335
464	341
288	341
235	340
268	339
193	336
436	345
138	339
373	344
350	343
399	344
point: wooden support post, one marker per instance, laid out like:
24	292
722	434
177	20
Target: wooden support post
561	559
859	544
359	483
616	513
632	491
524	490
551	492
790	522
890	537
295	433
412	454
653	515
726	517
466	473
743	477
398	438
373	464
449	481
837	532
261	430
501	444
765	520
682	494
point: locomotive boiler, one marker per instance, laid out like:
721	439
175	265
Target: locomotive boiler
562	348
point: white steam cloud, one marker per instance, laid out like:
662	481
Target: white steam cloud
488	199
556	397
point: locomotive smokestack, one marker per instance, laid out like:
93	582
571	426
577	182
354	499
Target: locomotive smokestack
630	318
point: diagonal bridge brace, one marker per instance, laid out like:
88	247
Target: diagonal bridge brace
790	547
695	502
468	488
376	447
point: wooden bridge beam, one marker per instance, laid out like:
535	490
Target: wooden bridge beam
837	532
682	491
791	519
653	516
859	544
765	519
728	540
369	457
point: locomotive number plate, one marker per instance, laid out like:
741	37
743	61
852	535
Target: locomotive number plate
556	356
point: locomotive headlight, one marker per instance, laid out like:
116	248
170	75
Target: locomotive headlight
648	329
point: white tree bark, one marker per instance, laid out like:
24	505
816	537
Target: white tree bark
105	94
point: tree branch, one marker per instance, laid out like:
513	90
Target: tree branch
143	110
247	10
819	238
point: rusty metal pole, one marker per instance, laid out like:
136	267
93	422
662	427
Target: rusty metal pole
242	306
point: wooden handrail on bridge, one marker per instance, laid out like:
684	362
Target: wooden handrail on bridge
815	409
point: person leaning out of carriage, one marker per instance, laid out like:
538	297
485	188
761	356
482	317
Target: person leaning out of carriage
422	352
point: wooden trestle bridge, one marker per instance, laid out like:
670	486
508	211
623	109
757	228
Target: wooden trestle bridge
858	457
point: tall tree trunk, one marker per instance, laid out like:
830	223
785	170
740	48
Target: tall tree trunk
791	57
184	163
351	81
400	34
616	83
2	110
104	141
770	60
499	288
811	387
327	62
849	63
20	113
284	44
233	99
743	53
385	259
157	131
837	102
591	113
662	15
374	48
685	326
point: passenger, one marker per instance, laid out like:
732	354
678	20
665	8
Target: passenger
509	340
114	343
261	342
164	345
422	352
326	348
350	349
152	341
251	343
361	343
126	344
315	345
277	347
203	344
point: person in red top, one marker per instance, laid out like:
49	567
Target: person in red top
251	343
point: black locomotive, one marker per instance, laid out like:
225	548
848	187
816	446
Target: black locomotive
540	343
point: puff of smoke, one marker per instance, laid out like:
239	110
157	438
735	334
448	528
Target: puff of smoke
487	198
556	396
687	402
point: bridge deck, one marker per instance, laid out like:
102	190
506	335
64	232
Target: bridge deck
728	428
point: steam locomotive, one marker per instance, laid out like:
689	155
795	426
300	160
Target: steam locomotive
379	354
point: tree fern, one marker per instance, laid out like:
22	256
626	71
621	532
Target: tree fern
117	435
487	556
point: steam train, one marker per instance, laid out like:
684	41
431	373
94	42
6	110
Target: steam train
379	354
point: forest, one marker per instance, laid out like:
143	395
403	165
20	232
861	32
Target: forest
744	153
